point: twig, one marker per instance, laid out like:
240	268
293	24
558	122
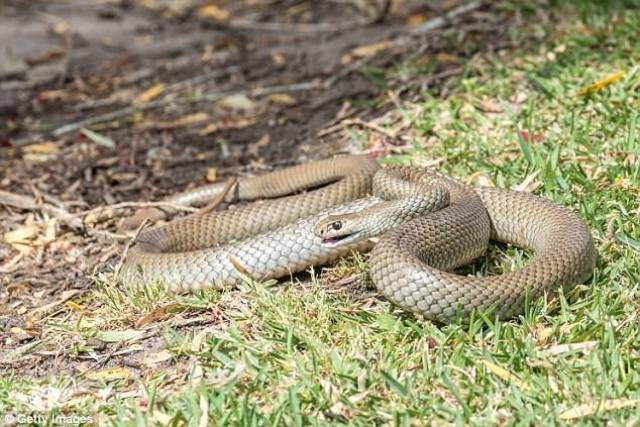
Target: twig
442	20
430	25
215	202
129	244
433	24
308	28
199	79
29	203
71	220
203	78
372	126
123	205
211	96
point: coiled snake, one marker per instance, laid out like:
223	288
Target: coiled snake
427	224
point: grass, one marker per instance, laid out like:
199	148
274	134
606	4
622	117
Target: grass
313	355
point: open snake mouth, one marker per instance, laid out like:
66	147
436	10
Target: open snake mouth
337	240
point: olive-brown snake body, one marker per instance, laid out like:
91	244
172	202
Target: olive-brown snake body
432	225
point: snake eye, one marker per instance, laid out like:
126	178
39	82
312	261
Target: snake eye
336	225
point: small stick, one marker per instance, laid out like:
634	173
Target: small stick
123	205
442	20
29	203
372	126
129	244
230	184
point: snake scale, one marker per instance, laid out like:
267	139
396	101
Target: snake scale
423	224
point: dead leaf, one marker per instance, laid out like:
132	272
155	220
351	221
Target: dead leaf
204	411
543	333
254	149
42	148
16	288
505	375
41	311
282	99
119	336
601	84
447	58
237	102
572	347
149	94
74	306
214	12
198	340
211	175
180	122
591	408
278	58
237	123
25	238
158	314
370	49
208	130
154	359
416	19
488	106
108	374
11	356
60	27
55	95
23	235
53	53
97	138
529	184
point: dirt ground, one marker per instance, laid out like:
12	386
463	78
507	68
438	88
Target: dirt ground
130	100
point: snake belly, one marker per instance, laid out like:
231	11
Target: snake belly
411	264
267	239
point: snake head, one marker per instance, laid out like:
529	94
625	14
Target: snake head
342	229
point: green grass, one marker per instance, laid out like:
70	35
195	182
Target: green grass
315	355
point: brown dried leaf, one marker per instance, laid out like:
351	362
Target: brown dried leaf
183	121
416	19
97	138
43	148
282	99
158	314
505	375
211	175
213	12
591	408
370	49
154	359
571	347
60	27
108	374
601	84
488	106
149	94
24	235
254	149
237	123
237	102
447	58
278	58
208	130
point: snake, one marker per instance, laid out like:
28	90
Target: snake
419	226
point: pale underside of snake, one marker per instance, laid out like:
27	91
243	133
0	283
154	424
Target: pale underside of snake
424	224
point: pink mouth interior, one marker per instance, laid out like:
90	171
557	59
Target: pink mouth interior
331	241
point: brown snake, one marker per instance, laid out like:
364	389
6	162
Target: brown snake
429	224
